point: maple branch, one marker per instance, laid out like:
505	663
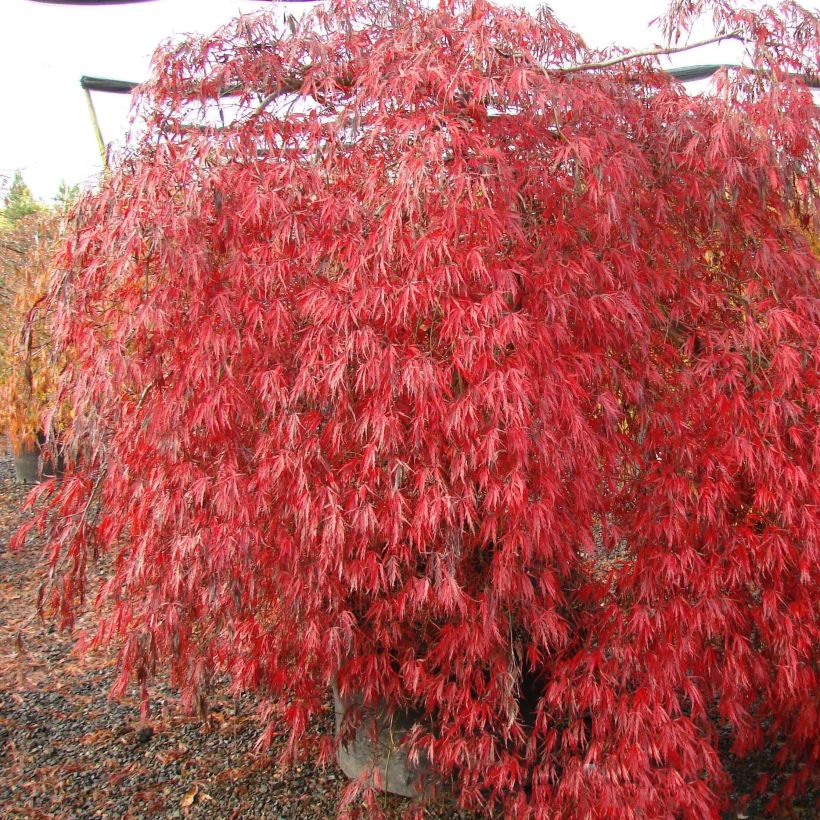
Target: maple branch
737	34
143	395
294	82
652	52
289	84
13	248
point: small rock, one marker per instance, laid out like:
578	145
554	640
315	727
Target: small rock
144	734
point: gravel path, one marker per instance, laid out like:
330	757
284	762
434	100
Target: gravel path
67	751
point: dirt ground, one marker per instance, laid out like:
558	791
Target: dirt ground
68	751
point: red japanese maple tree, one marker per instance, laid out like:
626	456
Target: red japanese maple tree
429	351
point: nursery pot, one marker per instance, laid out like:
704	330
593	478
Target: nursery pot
377	751
29	465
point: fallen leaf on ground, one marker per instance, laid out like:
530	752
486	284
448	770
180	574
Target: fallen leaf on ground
188	799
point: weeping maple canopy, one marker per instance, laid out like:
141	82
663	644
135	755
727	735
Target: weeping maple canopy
429	351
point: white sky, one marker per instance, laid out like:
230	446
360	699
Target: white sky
46	130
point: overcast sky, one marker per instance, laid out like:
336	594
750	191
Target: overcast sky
46	130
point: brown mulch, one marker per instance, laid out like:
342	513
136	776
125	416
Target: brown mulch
67	750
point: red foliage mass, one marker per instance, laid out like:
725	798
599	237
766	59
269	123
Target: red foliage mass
440	370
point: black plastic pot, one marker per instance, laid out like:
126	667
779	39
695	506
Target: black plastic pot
376	749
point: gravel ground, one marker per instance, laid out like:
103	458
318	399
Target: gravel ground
67	751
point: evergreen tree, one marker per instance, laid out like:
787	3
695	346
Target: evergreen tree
18	202
66	195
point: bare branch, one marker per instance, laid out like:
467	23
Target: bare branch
288	85
13	248
652	52
623	58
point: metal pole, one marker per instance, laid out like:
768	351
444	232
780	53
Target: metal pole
97	131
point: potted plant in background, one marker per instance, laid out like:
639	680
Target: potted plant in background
470	372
